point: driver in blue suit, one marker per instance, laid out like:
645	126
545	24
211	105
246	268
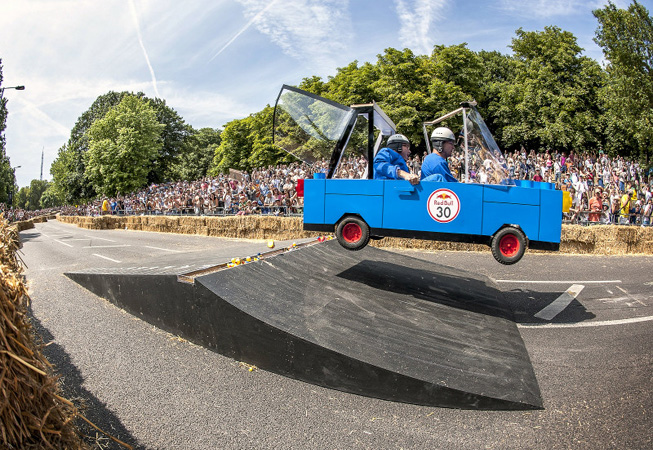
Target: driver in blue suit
435	166
390	162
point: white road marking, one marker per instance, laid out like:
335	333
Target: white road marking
560	303
164	249
560	282
107	246
631	297
67	245
99	238
105	257
598	323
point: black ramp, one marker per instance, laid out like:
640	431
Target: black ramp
371	322
374	323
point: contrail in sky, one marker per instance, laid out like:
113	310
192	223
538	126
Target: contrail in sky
140	40
242	30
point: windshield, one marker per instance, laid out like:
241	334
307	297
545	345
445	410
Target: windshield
308	126
485	162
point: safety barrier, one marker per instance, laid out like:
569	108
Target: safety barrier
584	217
576	239
286	211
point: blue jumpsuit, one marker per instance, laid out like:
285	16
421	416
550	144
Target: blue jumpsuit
386	164
437	168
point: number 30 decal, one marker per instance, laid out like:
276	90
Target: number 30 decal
443	205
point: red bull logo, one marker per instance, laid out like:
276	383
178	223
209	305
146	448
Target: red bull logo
443	205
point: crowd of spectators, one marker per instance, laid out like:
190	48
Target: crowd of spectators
603	189
17	214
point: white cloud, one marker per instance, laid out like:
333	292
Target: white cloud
132	7
416	18
319	31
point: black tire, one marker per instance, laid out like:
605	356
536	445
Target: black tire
508	245
353	233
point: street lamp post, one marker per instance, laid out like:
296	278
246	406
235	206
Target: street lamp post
18	88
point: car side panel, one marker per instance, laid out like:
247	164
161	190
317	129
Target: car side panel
495	193
527	217
551	216
314	201
369	207
406	207
397	205
361	197
354	187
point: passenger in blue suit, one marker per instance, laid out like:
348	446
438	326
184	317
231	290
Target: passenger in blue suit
435	166
390	161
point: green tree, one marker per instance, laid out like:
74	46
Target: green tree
36	190
246	144
69	181
626	36
49	198
22	198
123	144
197	154
69	173
69	168
353	84
498	71
403	88
173	140
552	100
7	176
459	65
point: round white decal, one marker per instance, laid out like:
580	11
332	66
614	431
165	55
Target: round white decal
443	205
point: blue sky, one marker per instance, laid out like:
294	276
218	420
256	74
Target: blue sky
218	60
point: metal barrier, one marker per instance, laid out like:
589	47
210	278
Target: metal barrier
282	211
606	218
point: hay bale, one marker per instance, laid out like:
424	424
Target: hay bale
33	413
600	239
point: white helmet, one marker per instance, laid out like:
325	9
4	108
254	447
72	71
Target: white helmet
396	141
442	134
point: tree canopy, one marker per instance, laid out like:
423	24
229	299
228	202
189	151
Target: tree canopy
544	95
122	147
626	37
7	176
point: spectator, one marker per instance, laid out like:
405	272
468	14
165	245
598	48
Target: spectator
596	206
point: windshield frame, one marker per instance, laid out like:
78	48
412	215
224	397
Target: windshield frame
489	139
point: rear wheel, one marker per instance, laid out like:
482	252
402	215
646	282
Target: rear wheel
353	233
508	245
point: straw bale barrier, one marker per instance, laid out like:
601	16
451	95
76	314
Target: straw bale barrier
33	413
575	239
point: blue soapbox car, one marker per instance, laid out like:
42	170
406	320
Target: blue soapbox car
508	215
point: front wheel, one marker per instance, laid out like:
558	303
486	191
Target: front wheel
508	245
353	233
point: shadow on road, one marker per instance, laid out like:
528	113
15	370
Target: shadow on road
71	382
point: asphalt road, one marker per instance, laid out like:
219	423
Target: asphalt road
587	322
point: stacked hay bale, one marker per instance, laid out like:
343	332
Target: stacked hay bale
32	412
575	239
607	240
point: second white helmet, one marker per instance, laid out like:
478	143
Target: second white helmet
443	134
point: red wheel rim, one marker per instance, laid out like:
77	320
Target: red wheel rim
352	232
509	245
